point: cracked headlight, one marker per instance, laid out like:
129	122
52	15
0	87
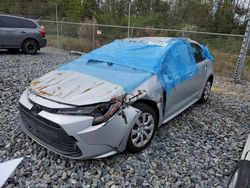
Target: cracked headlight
101	112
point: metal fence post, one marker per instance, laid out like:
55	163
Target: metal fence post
57	28
243	53
129	10
61	33
93	36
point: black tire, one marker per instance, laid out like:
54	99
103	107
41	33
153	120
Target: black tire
241	176
206	92
149	114
30	46
13	50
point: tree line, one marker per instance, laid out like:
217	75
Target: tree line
224	16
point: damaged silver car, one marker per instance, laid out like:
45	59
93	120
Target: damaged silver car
114	98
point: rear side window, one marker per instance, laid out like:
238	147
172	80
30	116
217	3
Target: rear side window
11	22
27	24
197	53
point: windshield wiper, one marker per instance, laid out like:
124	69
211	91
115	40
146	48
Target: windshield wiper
98	61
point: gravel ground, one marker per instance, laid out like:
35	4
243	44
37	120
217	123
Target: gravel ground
199	148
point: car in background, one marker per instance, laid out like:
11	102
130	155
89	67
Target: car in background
20	33
115	97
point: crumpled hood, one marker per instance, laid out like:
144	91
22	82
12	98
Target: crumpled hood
74	88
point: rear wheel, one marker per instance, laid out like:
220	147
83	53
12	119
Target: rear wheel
30	46
143	129
206	92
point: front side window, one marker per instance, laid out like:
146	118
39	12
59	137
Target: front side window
197	53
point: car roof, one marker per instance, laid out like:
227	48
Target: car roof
12	16
149	39
155	39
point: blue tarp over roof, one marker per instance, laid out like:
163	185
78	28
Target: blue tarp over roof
129	62
134	54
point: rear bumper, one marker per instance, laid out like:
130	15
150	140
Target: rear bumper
42	42
74	136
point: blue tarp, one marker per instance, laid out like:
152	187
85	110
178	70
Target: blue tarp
130	63
178	64
206	53
127	78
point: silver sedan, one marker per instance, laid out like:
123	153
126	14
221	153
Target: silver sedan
114	98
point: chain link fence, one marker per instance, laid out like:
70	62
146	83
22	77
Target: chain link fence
85	37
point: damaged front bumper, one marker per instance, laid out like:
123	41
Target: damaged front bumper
74	136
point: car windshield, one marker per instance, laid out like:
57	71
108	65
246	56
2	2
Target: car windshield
138	55
110	65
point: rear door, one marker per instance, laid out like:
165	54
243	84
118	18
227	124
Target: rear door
202	65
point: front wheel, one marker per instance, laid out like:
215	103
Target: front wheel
30	46
206	92
143	129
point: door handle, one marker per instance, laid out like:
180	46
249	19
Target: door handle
23	32
205	66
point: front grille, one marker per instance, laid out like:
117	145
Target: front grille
48	133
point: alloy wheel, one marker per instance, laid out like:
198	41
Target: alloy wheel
143	130
207	90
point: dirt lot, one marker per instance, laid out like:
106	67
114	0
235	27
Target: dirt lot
199	148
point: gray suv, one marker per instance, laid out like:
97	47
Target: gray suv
20	33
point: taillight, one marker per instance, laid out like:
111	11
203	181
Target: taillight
42	32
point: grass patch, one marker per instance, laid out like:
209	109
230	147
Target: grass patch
70	43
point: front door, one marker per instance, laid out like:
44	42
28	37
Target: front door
186	92
182	96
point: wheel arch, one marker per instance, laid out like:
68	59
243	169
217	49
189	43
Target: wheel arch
152	104
31	38
211	78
